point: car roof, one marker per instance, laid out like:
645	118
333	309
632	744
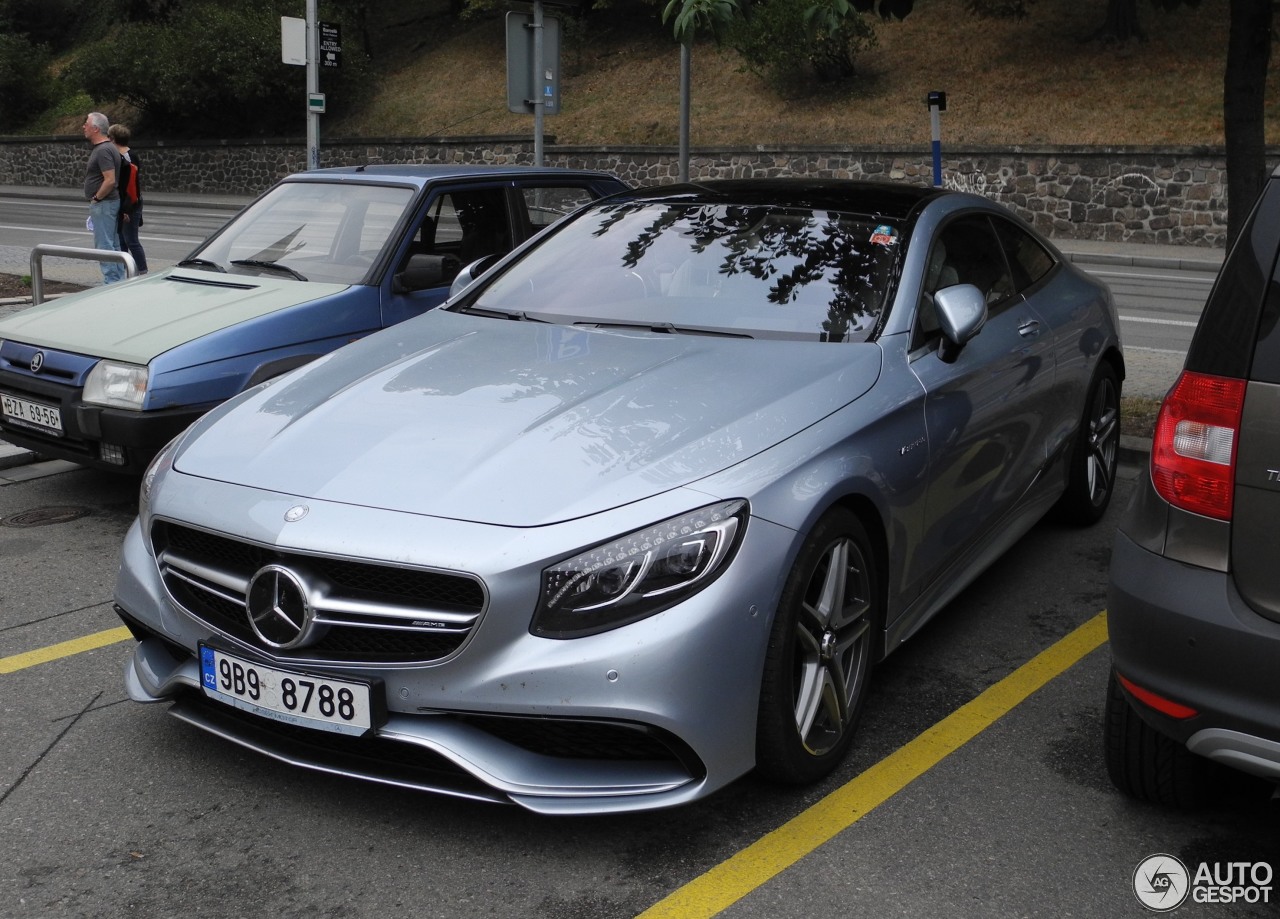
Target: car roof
891	201
420	174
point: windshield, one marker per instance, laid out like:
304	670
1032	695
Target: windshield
313	231
757	271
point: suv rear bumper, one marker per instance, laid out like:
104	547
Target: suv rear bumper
1184	633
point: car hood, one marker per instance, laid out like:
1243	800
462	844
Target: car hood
521	423
137	320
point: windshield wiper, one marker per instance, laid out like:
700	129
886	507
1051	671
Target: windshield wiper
200	263
273	266
667	327
516	315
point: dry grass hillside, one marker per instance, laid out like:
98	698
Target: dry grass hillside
1037	81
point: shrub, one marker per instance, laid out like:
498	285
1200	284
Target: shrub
785	43
24	80
216	71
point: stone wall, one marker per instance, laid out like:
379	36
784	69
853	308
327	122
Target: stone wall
1118	194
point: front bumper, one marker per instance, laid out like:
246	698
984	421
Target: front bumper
114	439
1184	633
650	715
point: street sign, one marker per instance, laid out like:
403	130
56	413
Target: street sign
523	86
293	40
315	103
330	45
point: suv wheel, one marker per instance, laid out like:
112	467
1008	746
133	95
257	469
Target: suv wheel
1147	765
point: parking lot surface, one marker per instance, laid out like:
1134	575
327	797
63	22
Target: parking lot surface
976	787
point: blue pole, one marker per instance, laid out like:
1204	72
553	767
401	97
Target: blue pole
935	125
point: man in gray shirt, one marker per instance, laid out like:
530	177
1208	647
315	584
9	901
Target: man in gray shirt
100	189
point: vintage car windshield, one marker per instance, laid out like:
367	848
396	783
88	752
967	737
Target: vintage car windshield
315	231
757	271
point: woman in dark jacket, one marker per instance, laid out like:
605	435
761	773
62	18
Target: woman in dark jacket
130	197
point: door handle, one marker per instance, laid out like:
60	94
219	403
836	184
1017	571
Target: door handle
1030	328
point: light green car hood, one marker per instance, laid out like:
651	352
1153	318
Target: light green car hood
136	320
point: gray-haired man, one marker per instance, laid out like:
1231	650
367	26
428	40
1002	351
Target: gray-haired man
100	189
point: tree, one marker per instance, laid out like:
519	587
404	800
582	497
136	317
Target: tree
1243	93
687	17
1244	107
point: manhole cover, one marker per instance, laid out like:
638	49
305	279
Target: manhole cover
44	516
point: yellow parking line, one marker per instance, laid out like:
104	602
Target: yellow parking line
63	649
770	855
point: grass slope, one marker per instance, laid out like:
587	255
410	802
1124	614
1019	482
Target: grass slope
1030	82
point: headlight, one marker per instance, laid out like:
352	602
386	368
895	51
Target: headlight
116	383
639	574
162	463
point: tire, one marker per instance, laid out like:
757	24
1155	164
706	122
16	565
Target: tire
1091	479
820	654
1147	765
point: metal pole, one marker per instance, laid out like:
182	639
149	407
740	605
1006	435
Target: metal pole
313	86
686	78
96	255
539	83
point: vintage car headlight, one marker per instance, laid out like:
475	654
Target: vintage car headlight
639	574
117	384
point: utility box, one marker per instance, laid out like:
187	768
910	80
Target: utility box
523	85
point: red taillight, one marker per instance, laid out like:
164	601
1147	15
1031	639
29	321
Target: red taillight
1193	453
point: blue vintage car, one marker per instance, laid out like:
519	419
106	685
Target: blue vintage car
107	376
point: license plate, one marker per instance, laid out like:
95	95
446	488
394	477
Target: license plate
303	699
31	414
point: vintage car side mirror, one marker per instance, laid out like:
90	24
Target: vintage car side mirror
962	311
422	272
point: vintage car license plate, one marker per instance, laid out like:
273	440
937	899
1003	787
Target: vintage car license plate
31	414
303	699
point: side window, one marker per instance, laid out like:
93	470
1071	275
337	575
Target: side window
965	252
468	224
1028	260
545	205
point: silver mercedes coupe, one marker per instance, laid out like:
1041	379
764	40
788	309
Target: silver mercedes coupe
638	510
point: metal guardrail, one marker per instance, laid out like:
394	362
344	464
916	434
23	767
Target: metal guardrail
95	255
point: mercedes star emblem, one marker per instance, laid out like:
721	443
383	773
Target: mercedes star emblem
279	609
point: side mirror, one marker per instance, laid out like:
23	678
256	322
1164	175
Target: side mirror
422	272
962	311
468	274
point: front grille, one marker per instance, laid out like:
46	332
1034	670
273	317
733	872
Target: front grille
371	613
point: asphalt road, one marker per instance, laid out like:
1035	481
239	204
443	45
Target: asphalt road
976	788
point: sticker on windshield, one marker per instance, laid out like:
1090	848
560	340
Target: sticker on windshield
884	235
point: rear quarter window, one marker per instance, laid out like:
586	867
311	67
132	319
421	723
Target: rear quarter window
1266	357
1028	260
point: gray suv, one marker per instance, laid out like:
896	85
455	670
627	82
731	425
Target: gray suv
1194	606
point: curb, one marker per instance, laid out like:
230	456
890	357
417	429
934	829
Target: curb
1144	261
1134	451
11	456
167	198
